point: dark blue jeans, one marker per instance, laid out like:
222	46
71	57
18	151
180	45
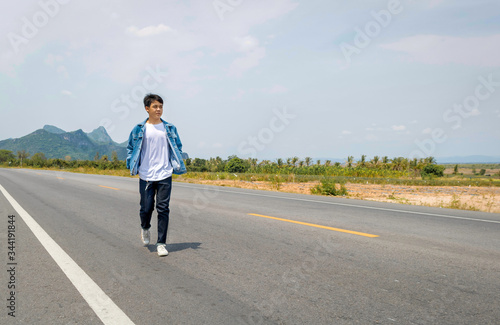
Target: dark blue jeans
160	189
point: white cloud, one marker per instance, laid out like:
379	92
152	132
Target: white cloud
249	61
435	3
427	131
63	72
66	92
276	89
239	94
253	53
149	30
53	58
475	112
174	30
399	127
345	132
376	128
247	43
437	49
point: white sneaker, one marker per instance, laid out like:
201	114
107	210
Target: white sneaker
162	250
145	235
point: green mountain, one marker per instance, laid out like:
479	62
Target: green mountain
100	136
53	129
57	143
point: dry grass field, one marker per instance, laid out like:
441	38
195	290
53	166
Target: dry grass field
485	199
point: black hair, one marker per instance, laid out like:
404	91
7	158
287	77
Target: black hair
149	98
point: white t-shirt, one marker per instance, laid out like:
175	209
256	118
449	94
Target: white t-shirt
155	163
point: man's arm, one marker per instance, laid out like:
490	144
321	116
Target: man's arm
130	149
178	140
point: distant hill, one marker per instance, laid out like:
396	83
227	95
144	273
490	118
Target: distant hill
57	143
468	160
477	159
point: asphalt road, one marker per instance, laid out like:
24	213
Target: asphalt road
340	261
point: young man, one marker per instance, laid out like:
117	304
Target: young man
154	151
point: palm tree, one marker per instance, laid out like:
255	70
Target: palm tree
405	163
362	162
397	163
265	163
295	160
375	162
307	160
328	163
430	160
385	161
350	160
22	155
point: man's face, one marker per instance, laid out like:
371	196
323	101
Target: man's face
155	110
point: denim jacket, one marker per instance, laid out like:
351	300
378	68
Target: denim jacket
135	144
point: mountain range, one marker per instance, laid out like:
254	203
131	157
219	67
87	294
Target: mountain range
54	142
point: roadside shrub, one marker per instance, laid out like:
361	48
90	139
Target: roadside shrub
328	186
6	155
432	170
235	165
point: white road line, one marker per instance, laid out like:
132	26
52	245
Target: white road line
350	205
103	306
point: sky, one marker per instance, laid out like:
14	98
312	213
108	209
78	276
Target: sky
261	79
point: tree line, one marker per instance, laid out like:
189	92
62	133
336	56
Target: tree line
375	167
363	167
38	160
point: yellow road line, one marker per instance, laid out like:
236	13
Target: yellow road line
60	177
317	226
113	188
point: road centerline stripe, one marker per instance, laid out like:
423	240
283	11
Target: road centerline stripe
113	188
101	304
316	226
